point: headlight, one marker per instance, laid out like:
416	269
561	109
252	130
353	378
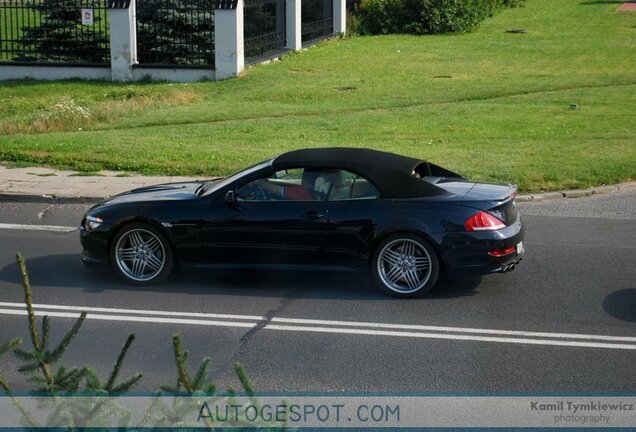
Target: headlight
92	222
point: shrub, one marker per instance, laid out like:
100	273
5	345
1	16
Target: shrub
43	365
426	16
382	16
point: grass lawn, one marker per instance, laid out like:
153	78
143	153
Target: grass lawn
491	105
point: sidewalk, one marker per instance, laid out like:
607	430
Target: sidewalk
37	184
47	184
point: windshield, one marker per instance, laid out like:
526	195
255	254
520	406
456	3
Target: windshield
218	184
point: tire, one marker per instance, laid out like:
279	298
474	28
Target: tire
141	255
404	265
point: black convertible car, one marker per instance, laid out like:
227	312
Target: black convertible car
401	219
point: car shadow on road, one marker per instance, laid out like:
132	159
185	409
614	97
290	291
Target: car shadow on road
65	270
621	304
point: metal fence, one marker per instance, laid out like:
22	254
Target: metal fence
173	33
317	19
60	31
264	26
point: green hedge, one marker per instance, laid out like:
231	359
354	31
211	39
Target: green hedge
425	16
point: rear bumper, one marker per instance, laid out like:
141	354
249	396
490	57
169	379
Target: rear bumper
502	266
466	253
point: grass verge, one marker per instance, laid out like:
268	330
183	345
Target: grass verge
492	105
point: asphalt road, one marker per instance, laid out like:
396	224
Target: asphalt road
514	332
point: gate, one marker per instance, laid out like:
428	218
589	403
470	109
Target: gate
265	26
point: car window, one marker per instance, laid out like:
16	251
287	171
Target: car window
297	184
219	184
351	186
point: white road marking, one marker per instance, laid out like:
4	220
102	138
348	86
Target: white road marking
457	329
345	327
454	337
138	311
131	318
326	322
50	228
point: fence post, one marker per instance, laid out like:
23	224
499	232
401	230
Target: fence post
228	41
123	40
294	25
339	16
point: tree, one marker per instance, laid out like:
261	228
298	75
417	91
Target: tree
61	35
175	31
44	366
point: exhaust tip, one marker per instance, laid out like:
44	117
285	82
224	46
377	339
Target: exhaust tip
508	268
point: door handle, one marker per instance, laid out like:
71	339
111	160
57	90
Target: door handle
313	215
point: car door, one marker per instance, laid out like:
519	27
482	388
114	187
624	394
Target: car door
275	220
354	209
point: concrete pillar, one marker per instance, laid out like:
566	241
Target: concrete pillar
339	16
123	42
294	25
228	42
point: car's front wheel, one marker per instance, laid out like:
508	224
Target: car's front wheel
141	255
404	265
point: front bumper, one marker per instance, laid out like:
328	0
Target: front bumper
92	262
95	245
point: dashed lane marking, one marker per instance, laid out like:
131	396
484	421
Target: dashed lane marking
49	228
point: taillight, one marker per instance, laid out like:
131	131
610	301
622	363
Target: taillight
503	252
483	221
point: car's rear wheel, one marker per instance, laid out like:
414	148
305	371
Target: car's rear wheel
405	265
141	255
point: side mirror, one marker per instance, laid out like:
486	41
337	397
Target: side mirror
230	198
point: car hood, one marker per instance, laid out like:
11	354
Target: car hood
161	192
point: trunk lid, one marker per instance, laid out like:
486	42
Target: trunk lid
497	199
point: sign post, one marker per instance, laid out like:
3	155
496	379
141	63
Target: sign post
87	17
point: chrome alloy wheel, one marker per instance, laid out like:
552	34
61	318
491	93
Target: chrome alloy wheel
140	255
404	266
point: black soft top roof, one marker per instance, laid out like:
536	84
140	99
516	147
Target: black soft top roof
392	174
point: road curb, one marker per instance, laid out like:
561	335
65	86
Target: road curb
577	193
49	199
536	197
